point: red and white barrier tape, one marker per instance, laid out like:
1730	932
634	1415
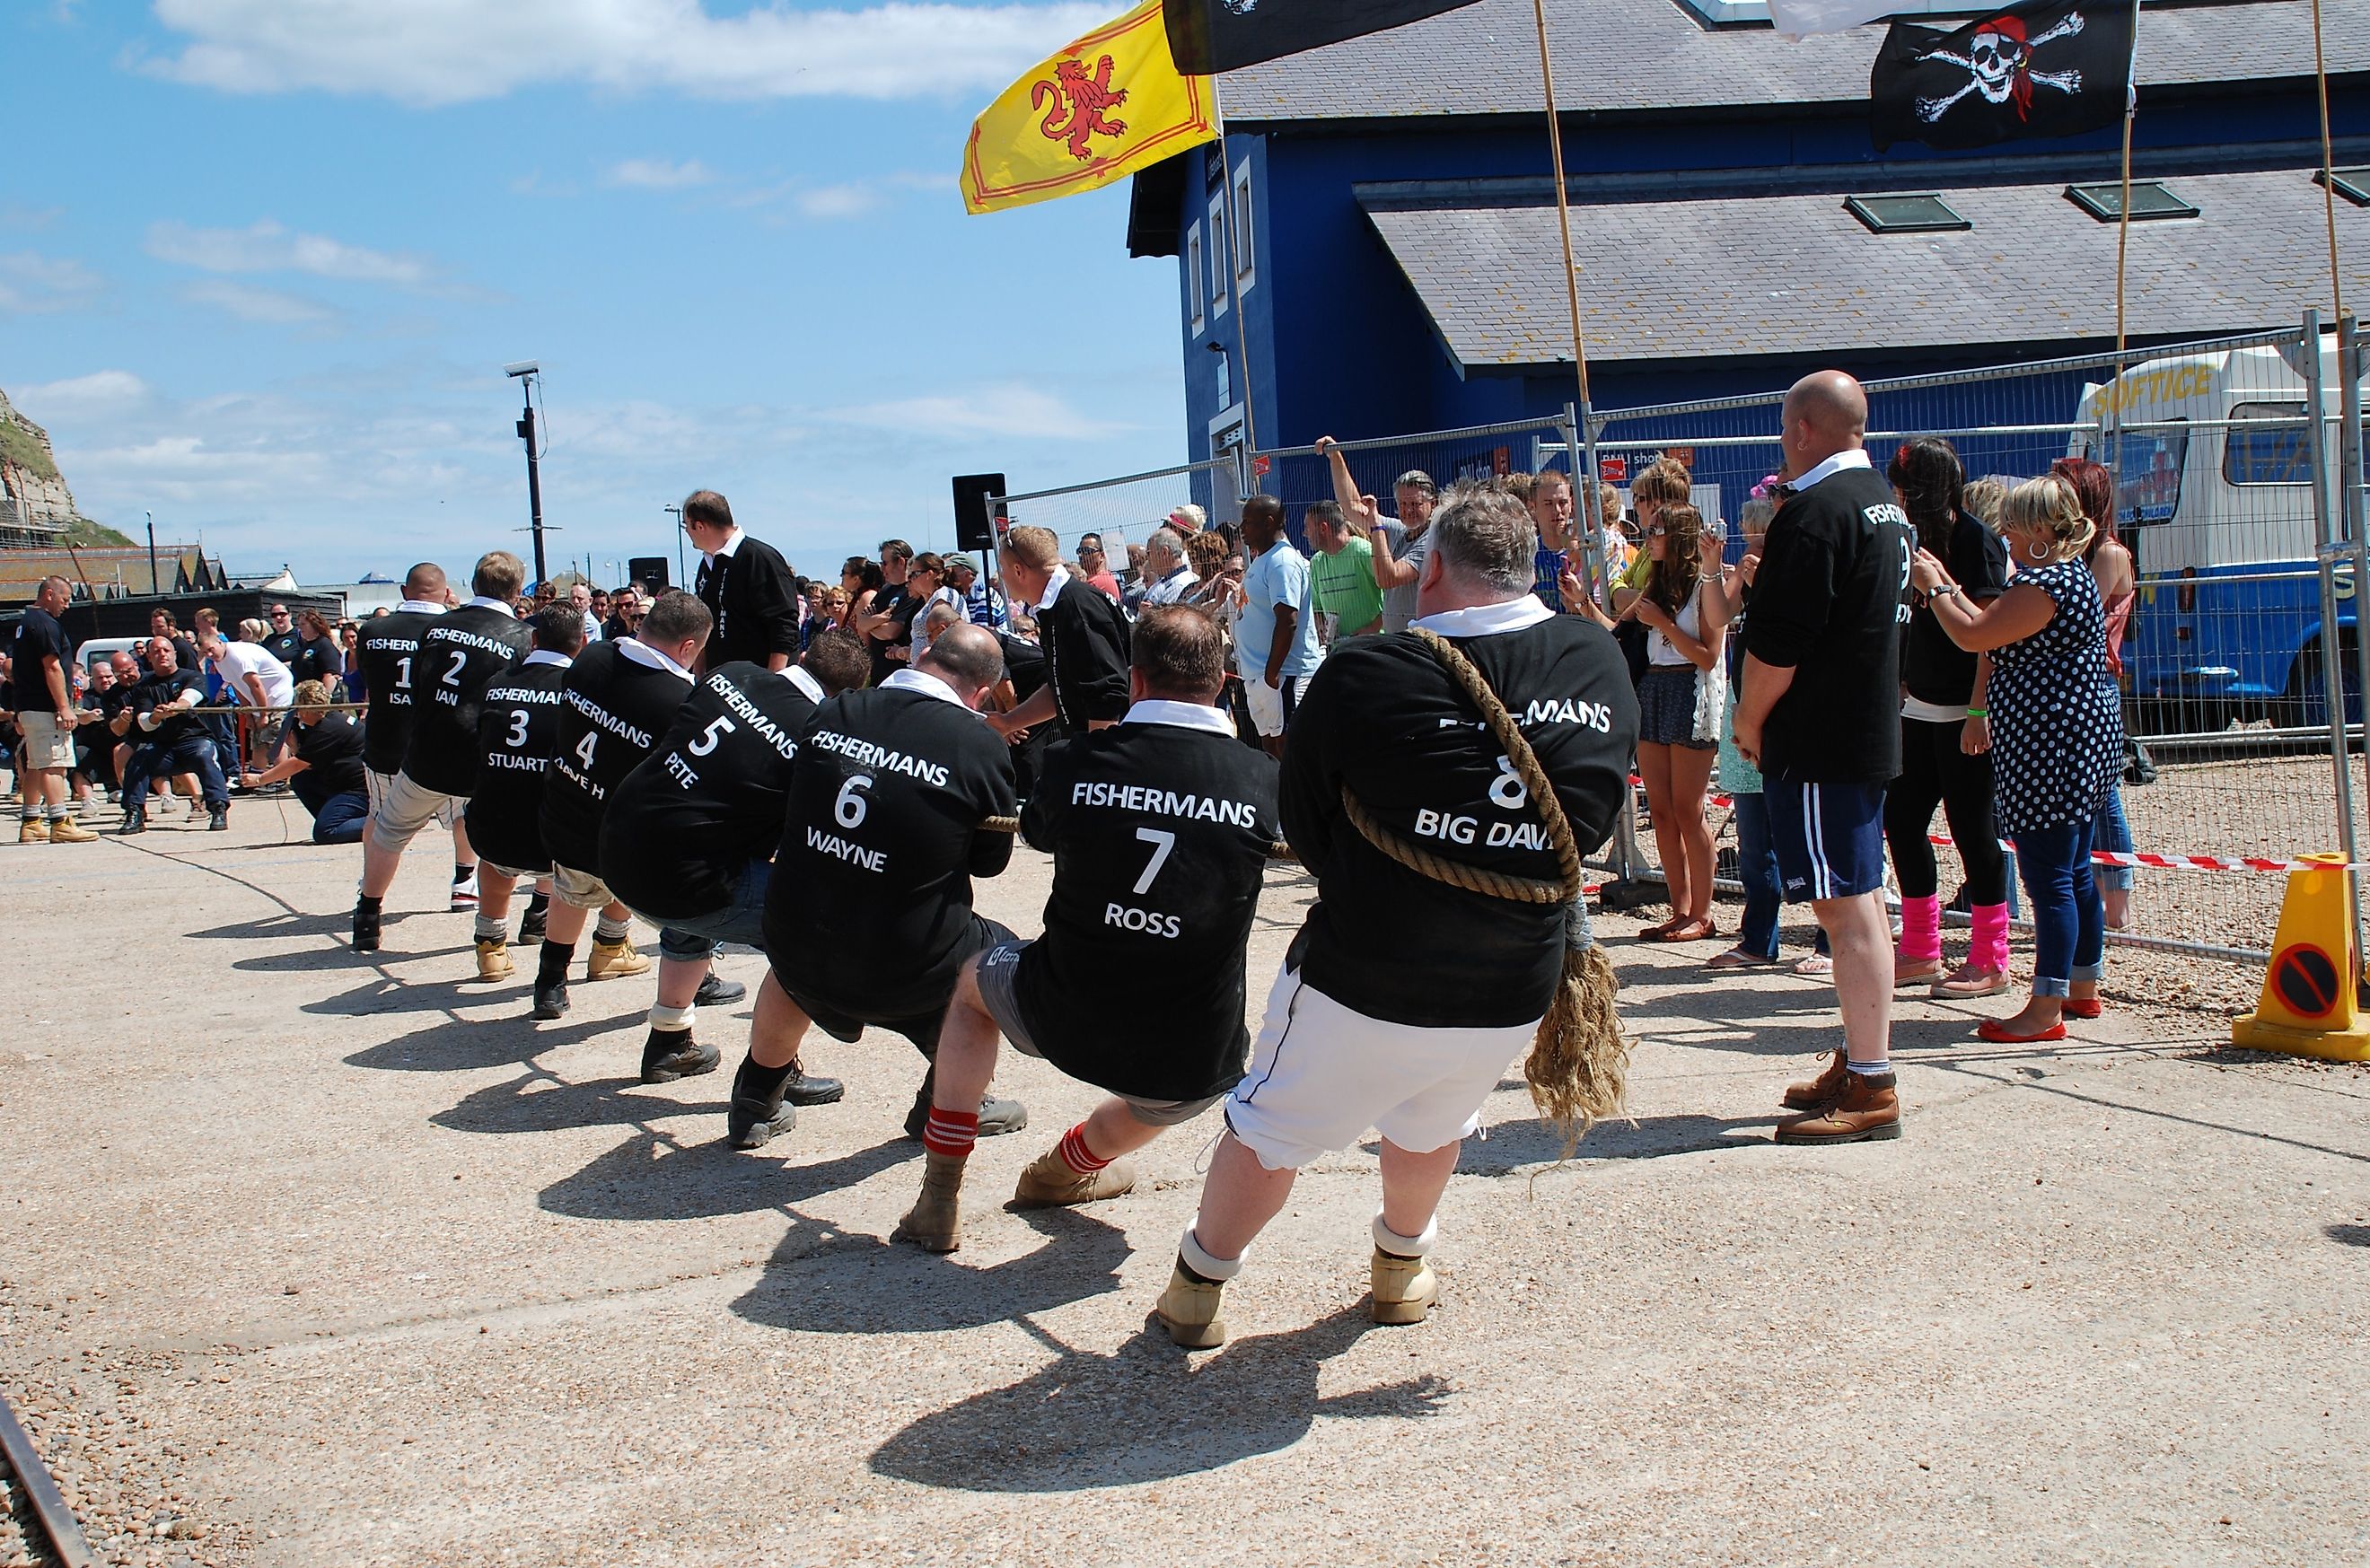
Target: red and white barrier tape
2190	862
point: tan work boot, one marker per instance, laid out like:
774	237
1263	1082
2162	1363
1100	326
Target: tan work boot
1867	1108
610	959
494	959
1814	1092
66	831
35	831
934	1222
1405	1288
1189	1310
1048	1182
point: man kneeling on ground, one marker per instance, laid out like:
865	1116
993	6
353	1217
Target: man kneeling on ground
1160	830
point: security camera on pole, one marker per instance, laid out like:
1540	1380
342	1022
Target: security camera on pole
526	373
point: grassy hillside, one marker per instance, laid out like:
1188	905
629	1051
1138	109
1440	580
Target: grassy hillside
18	446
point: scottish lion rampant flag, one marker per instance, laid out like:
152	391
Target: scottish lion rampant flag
1105	107
2052	68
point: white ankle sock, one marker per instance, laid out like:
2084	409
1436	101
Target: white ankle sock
1203	1264
1400	1246
671	1019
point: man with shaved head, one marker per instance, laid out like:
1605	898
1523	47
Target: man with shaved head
41	696
1820	713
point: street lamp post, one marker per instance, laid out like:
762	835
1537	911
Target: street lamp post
676	512
153	586
525	373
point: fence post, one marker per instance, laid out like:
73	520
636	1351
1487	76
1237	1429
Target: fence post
2332	659
2353	527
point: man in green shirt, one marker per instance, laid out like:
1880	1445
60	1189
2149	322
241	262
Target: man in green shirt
1340	575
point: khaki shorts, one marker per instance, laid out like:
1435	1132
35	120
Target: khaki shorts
579	889
403	807
375	785
49	744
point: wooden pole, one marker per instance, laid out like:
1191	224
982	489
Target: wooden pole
1234	269
1584	510
2328	173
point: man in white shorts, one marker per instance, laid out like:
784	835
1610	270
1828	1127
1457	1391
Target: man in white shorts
1363	1032
1275	635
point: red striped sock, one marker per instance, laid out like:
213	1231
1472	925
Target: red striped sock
1076	1155
950	1133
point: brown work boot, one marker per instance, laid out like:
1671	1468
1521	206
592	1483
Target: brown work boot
35	831
1048	1182
1814	1092
1865	1108
1189	1311
1404	1288
66	831
494	959
934	1222
610	959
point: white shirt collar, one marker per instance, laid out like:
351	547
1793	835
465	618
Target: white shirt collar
545	656
1058	580
732	544
805	683
1184	715
424	606
1850	457
642	653
482	603
922	681
1486	620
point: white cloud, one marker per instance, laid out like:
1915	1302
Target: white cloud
101	392
827	202
660	174
267	308
267	246
32	283
1009	409
441	51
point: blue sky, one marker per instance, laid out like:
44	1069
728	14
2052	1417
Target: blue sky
261	262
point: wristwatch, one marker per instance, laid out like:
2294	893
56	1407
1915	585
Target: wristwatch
1942	591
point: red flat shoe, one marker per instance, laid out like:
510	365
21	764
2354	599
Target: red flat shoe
2083	1007
1996	1032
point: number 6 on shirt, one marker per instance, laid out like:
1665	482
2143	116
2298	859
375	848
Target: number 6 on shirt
849	808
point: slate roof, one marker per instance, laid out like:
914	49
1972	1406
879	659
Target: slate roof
1704	278
1651	54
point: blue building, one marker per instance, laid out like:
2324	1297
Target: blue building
1400	269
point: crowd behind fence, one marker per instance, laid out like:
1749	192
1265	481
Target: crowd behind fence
2244	516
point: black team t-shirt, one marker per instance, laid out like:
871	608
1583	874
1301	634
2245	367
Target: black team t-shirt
154	692
1159	829
389	653
332	751
1935	669
1383	717
462	652
1829	602
1085	641
518	732
753	597
620	698
869	905
39	636
285	647
711	798
894	600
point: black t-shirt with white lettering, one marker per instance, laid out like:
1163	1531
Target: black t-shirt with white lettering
617	707
1159	835
1385	718
39	637
154	692
1829	602
1086	640
870	898
332	751
518	732
462	652
390	651
711	798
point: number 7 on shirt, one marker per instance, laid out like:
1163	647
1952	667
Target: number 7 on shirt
1162	842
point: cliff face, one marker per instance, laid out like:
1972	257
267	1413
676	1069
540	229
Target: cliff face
29	472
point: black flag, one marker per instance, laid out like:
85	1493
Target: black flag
1210	36
2056	68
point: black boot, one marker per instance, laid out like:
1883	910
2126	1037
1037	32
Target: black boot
718	991
135	820
551	982
538	910
218	818
669	1054
366	917
757	1115
995	1115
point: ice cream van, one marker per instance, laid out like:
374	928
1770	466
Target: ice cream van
2214	499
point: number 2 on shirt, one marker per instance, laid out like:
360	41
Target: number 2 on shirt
460	658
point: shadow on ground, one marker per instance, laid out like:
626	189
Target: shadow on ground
856	1284
1146	1412
653	1177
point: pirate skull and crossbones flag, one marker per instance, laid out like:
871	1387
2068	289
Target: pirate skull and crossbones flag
2058	68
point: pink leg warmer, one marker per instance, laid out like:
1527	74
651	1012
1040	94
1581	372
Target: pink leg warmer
1921	929
1989	948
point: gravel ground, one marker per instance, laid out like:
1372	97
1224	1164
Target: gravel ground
315	1260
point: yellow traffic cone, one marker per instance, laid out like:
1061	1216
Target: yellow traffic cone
2308	1006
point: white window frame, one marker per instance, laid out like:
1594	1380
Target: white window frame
1246	233
1221	287
1194	280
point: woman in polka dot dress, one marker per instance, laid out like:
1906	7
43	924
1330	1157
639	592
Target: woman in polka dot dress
2057	737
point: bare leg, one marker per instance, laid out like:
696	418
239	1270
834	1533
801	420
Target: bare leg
378	867
462	853
565	923
1654	767
1690	778
1238	1199
494	894
678	980
967	1046
1412	1185
1112	1130
1861	939
777	1027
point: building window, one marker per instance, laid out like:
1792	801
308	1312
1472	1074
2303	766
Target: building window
2352	184
1193	275
2150	199
1245	249
1905	215
1221	292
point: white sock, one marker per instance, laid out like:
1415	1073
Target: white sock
1400	1246
671	1020
1203	1264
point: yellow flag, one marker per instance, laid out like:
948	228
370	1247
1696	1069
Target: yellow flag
1102	108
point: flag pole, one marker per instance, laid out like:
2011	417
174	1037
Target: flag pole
1233	267
2124	237
1591	549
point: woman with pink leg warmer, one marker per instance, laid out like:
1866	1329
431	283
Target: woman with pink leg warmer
1945	741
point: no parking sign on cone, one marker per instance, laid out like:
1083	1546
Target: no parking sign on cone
2308	1006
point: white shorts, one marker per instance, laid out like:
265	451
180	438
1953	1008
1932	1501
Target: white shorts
1271	706
1321	1074
403	807
376	785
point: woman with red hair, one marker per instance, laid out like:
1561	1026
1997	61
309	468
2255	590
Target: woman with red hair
2111	566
